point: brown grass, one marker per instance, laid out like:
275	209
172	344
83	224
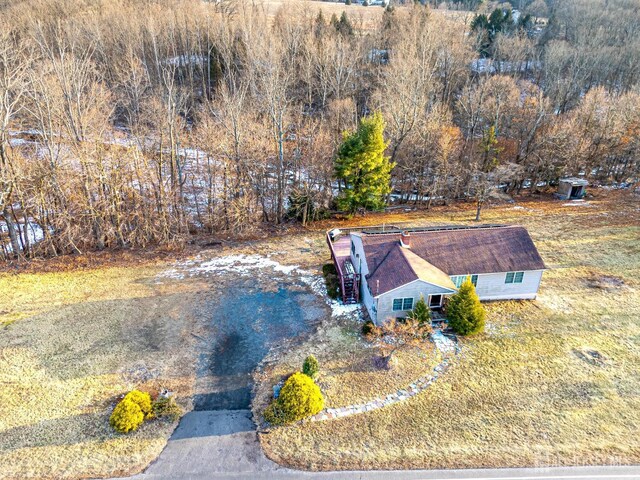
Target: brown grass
348	374
552	382
70	343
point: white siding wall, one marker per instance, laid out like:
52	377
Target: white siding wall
491	286
362	268
410	290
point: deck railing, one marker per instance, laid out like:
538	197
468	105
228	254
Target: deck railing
342	274
336	263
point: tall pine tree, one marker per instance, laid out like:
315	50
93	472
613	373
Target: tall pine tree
464	311
363	168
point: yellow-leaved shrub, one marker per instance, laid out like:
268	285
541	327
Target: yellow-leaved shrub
143	400
127	416
299	398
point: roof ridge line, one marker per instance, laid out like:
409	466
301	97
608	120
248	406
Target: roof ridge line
408	261
442	228
370	274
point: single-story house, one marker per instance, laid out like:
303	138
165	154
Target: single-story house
393	269
572	188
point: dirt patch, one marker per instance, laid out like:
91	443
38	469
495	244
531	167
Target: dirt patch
605	282
590	356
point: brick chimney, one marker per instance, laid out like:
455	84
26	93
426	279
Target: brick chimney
405	239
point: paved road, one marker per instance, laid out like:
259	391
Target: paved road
223	444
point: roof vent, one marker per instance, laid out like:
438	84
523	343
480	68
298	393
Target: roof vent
405	239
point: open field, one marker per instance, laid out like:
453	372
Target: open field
361	16
552	382
70	343
72	340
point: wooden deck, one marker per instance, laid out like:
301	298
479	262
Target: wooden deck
342	248
349	280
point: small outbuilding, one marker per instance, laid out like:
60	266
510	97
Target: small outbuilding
572	188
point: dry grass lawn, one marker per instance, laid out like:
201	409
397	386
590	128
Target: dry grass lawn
70	343
347	372
551	382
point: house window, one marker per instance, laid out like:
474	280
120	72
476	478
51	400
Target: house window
353	248
458	280
400	304
514	277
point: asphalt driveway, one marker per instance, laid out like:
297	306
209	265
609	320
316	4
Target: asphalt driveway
249	319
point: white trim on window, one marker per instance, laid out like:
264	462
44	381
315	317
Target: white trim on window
458	280
514	277
402	304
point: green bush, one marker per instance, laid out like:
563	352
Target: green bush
143	400
166	407
465	313
299	398
310	367
421	312
331	280
127	416
368	328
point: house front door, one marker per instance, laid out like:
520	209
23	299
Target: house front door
435	301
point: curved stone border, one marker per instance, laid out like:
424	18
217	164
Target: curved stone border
442	343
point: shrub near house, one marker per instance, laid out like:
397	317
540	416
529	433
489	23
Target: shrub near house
311	367
464	311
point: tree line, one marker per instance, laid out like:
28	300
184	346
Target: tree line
142	122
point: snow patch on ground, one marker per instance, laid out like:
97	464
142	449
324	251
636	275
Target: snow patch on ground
29	230
577	203
245	265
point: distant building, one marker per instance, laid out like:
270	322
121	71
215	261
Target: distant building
390	271
572	188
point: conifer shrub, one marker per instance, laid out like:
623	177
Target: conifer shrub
421	312
167	408
127	416
299	398
143	400
464	312
310	367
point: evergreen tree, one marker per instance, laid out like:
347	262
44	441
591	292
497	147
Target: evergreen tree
343	26
500	21
334	21
464	311
489	149
320	24
363	167
421	312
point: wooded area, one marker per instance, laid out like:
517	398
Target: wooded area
132	123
